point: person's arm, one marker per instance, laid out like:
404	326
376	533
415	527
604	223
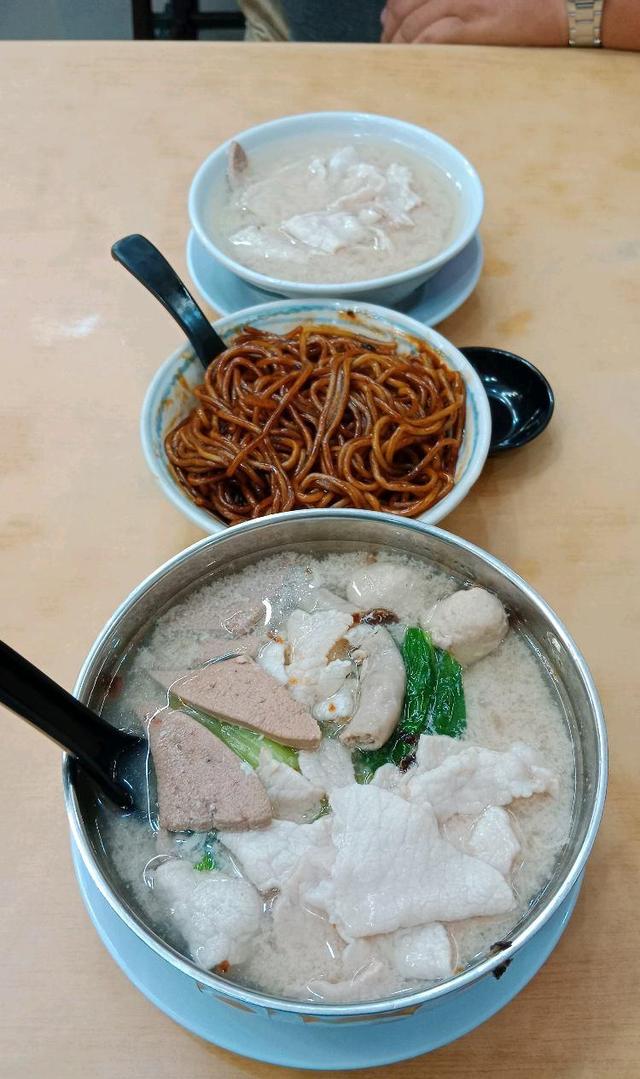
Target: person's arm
621	24
502	22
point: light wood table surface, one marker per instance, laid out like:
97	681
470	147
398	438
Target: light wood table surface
98	140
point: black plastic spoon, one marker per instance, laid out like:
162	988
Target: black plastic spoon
113	758
101	749
520	397
142	259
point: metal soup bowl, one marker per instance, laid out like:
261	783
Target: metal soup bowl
318	532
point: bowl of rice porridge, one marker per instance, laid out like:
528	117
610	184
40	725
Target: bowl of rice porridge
339	204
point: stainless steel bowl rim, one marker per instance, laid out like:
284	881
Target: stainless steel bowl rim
403	1001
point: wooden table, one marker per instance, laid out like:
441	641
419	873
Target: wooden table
100	140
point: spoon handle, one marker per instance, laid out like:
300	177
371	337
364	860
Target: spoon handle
139	256
96	744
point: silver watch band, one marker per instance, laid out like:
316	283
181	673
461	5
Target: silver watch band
585	19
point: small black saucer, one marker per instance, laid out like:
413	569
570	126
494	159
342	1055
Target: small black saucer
520	398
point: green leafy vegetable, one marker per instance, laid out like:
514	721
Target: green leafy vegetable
208	860
418	654
433	704
245	744
448	714
206	863
434	701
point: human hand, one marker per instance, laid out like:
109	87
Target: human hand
476	22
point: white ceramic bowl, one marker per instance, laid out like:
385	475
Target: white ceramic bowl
209	181
169	396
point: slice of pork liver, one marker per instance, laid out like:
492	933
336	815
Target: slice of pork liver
241	692
248	645
202	785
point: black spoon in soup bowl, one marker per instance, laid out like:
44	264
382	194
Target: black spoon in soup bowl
116	760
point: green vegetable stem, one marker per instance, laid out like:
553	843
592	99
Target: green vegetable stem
244	743
433	704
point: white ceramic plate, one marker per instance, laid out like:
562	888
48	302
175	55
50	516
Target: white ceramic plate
434	301
170	395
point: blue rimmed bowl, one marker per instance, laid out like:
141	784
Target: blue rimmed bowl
170	395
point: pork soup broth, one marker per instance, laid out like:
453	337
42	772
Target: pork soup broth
360	775
327	212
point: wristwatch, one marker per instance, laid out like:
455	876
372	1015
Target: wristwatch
585	19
